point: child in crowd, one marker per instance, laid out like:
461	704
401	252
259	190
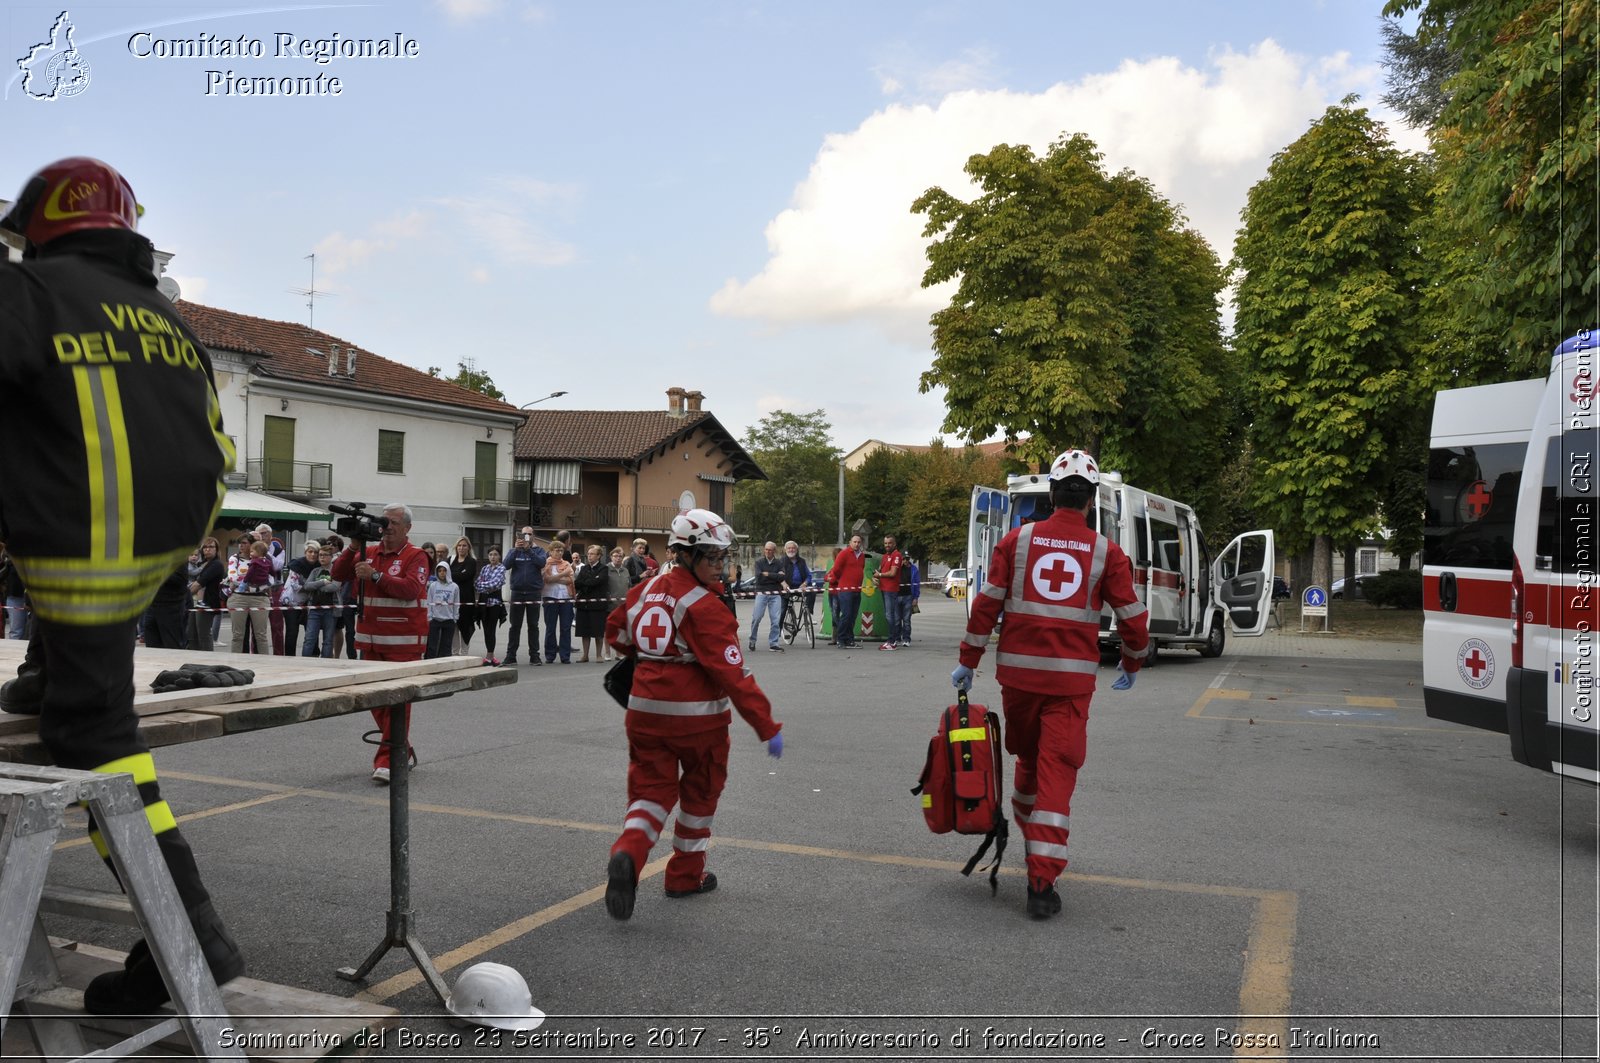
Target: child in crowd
444	609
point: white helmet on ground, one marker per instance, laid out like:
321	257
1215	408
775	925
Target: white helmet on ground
1074	463
492	994
700	527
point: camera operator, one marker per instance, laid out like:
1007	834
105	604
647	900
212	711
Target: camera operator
391	577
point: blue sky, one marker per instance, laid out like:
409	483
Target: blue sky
612	199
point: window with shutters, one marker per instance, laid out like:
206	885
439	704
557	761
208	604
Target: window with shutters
391	451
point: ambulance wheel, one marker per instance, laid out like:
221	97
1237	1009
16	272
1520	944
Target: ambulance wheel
1217	639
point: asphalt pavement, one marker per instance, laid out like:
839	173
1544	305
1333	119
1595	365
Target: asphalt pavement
1274	852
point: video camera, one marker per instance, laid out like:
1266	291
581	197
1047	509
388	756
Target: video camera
357	524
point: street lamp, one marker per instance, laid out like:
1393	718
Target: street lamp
552	395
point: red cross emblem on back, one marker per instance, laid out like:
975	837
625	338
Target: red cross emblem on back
654	631
1057	576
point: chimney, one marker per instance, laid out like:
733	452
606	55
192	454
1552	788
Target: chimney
350	362
333	359
693	398
675	398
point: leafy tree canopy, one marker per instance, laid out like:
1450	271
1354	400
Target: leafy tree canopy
800	497
472	378
1085	314
1324	321
1517	188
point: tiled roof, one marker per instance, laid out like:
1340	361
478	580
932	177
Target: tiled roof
620	436
284	344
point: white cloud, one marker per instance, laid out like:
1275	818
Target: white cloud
468	10
190	288
500	220
848	246
337	252
901	73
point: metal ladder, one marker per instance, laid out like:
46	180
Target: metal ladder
33	803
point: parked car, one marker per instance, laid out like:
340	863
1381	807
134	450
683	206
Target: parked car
1338	588
955	580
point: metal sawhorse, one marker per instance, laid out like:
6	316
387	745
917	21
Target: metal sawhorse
33	804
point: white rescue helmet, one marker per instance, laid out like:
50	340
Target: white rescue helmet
700	527
1075	463
492	994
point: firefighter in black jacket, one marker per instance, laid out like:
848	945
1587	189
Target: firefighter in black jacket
111	398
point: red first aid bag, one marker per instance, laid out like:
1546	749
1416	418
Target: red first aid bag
960	784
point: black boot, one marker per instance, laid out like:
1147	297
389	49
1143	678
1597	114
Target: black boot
138	988
24	695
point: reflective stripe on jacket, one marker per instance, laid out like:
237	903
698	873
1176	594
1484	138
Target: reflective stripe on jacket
1051	578
112	427
394	610
689	672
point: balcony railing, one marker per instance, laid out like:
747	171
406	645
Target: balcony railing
307	479
482	491
597	518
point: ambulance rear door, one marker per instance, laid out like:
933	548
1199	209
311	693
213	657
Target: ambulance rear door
1475	461
1241	581
988	523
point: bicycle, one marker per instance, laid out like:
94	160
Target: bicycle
797	620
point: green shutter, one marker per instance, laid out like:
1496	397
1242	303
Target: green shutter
485	463
277	454
391	451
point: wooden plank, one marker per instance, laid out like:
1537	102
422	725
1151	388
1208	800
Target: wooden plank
20	744
275	1022
276	677
273	675
171	729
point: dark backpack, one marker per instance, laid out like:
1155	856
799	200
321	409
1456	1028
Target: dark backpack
960	784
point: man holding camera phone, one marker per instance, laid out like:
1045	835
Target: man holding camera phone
391	578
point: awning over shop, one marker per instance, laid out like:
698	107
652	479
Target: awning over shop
557	478
240	503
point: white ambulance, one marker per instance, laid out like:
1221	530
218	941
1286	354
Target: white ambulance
1192	599
1509	562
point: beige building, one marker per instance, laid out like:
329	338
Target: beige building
610	476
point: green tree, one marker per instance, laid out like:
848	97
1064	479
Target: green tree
1517	188
799	499
1037	304
938	502
1087	296
1325	305
876	491
1418	68
469	376
1172	430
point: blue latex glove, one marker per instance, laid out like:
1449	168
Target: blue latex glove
961	678
775	745
1124	679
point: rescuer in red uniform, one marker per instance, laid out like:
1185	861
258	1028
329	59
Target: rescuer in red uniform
392	579
688	672
109	415
1051	578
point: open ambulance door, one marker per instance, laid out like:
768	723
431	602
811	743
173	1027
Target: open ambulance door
1241	581
988	524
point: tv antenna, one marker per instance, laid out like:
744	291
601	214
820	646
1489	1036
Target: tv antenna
311	293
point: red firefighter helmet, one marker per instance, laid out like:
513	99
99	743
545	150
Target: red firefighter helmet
72	195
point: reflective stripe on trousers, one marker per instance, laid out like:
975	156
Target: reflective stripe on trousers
1048	734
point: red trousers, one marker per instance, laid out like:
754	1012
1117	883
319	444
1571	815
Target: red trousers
662	771
1048	734
383	716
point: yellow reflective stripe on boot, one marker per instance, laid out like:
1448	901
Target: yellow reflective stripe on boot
142	766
